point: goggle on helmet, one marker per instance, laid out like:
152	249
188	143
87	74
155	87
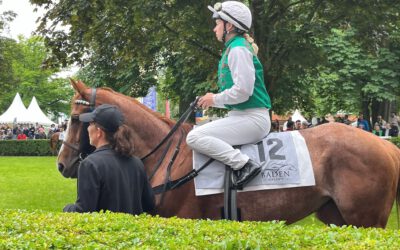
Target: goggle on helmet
233	12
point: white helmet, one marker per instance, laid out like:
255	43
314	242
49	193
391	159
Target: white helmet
233	12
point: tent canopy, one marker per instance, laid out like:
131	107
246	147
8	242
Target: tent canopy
18	113
297	116
36	115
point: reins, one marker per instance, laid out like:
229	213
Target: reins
168	184
181	120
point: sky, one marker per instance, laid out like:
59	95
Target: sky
25	22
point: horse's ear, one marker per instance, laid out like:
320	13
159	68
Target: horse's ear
79	86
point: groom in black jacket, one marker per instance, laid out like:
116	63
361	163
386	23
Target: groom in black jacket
111	178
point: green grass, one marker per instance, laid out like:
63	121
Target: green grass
33	183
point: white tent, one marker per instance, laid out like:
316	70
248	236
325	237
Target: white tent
36	115
17	111
297	116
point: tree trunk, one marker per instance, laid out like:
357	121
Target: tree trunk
365	102
375	111
259	28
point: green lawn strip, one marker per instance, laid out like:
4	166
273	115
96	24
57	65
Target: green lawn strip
34	183
44	230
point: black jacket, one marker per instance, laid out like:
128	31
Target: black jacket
108	181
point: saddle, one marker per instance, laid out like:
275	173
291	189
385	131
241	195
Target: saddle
285	162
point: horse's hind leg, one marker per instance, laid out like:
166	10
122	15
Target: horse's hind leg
348	214
330	214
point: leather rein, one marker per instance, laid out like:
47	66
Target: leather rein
168	184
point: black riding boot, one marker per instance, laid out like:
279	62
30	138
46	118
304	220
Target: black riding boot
244	175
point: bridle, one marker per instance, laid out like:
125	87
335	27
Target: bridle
91	105
168	184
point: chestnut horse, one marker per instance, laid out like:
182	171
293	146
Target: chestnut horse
356	173
54	142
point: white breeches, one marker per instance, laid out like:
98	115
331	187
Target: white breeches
215	139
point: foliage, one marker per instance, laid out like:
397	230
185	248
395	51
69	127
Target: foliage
7	76
38	230
33	183
21	70
25	147
23	73
126	47
5	18
53	94
354	76
395	141
7	52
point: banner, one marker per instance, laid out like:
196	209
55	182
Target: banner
150	100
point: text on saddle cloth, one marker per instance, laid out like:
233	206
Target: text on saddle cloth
285	161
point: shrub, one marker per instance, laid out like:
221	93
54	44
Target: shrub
395	141
42	147
39	230
25	148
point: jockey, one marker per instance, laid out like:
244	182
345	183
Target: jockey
241	91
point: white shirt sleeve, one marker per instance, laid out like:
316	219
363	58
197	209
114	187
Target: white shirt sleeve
240	62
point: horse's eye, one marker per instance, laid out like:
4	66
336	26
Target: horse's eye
75	117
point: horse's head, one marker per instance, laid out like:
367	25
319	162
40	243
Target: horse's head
76	140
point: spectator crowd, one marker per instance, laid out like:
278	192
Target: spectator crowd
379	128
26	131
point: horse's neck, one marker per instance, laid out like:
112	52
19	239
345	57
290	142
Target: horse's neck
148	129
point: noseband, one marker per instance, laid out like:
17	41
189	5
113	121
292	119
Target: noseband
77	147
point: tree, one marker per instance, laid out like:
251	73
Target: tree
52	93
286	32
6	54
26	75
7	76
124	44
355	79
5	18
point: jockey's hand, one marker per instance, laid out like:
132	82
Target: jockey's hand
206	101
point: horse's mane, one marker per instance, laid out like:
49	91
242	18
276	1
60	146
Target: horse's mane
162	118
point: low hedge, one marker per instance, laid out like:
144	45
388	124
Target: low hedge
25	147
395	141
40	230
42	147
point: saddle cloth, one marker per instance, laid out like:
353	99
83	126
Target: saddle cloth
285	163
